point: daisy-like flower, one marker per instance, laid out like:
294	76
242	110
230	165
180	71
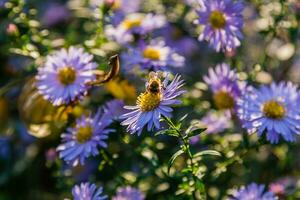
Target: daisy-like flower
65	75
225	86
128	193
253	192
85	138
272	109
153	103
154	56
134	24
88	191
222	21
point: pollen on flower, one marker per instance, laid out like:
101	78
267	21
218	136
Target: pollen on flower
148	101
273	109
217	19
151	53
84	134
67	75
132	23
223	100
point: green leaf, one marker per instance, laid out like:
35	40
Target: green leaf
207	152
169	132
183	118
196	132
173	158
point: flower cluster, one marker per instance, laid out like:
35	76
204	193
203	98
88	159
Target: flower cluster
151	99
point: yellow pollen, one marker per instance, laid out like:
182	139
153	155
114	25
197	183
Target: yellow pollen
151	53
148	101
217	20
84	134
273	109
131	23
223	100
67	75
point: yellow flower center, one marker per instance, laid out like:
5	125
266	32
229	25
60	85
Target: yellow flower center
217	19
67	75
273	109
223	100
117	5
151	53
131	23
148	101
84	134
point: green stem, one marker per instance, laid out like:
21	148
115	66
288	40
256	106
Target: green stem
186	149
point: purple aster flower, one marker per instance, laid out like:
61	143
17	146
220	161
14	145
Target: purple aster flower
272	109
222	21
114	109
134	24
85	138
153	103
253	192
225	86
65	75
215	122
128	193
154	56
87	191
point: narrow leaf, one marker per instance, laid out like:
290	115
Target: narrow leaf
196	132
173	158
207	152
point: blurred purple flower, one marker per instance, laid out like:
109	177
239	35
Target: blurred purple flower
154	56
134	24
55	14
223	22
84	139
4	147
252	192
225	86
284	187
153	103
215	122
114	109
272	109
51	155
65	75
128	193
88	191
2	2
183	44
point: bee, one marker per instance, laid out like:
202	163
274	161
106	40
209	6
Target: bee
155	85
